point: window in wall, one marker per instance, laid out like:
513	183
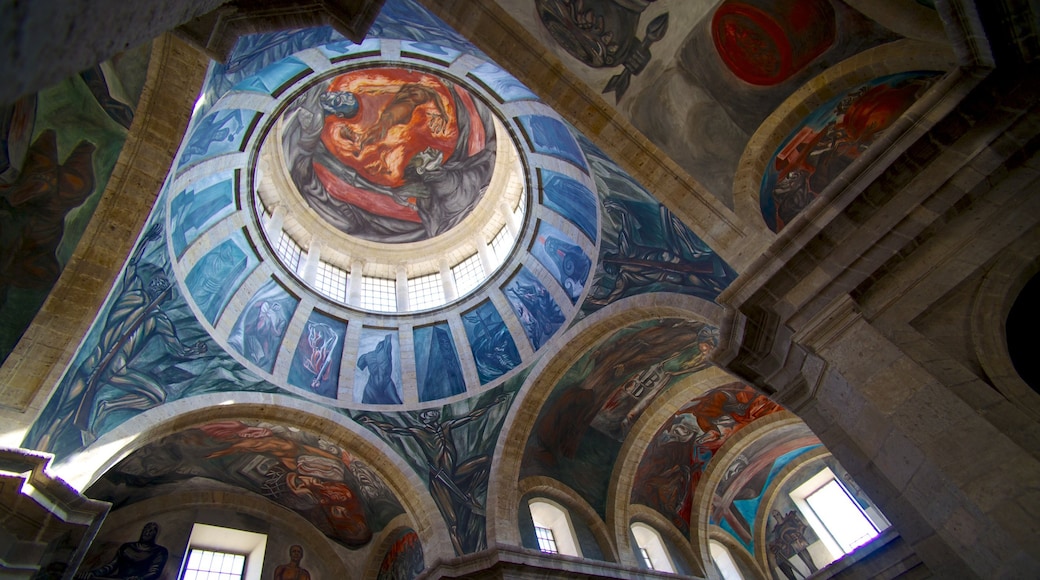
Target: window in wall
290	252
379	294
723	561
549	515
425	291
546	540
835	515
216	553
501	244
652	548
331	281
468	273
209	565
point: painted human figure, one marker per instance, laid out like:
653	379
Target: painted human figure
380	388
399	111
140	560
292	570
789	541
452	483
135	318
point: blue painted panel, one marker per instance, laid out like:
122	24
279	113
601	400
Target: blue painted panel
538	313
440	53
410	20
489	339
570	199
437	363
346	47
551	137
219	273
315	365
259	330
273	76
502	83
198	207
564	259
377	378
216	134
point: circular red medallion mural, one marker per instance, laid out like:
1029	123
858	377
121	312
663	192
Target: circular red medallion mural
388	154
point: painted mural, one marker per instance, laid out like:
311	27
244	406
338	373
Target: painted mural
404	558
564	259
316	362
604	34
539	315
258	332
293	569
388	154
298	470
205	202
377	375
645	248
58	149
736	501
451	449
437	366
570	199
550	136
214	278
698	78
673	464
489	339
792	547
144	349
590	411
830	139
145	559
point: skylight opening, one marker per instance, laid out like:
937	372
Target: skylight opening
331	281
290	252
468	274
379	294
841	515
425	291
210	565
546	540
501	244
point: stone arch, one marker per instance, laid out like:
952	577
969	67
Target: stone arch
647	516
716	471
551	489
151	426
895	57
503	497
993	301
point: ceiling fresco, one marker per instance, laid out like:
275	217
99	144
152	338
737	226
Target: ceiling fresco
339	494
58	149
394	141
673	464
390	154
592	408
830	139
716	69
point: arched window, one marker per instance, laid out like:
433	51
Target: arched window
723	561
552	526
651	548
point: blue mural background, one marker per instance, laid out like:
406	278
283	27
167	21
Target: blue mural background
316	362
645	248
437	367
451	448
564	259
216	277
124	368
551	137
258	332
198	207
377	377
570	199
536	309
489	339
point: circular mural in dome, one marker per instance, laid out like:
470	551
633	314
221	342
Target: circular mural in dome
390	155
